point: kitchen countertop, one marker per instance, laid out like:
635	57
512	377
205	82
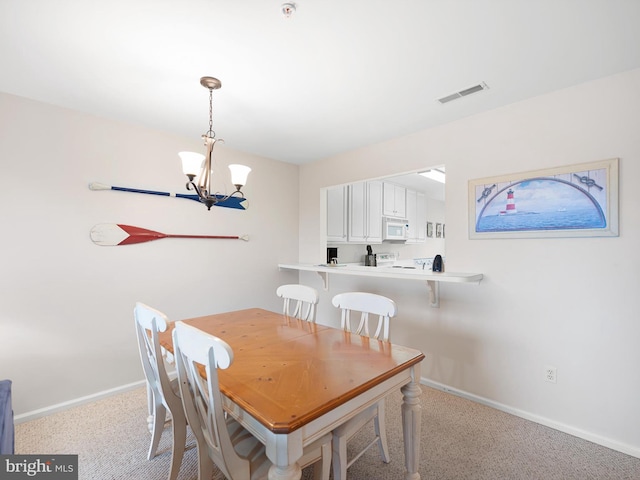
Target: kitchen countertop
396	272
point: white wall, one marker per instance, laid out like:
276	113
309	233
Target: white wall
66	323
65	304
570	303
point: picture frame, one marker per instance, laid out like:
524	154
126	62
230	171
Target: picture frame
578	200
438	230
429	229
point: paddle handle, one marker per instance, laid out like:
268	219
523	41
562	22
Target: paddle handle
231	237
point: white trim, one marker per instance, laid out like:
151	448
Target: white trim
59	407
576	432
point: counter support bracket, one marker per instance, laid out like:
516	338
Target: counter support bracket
325	280
434	293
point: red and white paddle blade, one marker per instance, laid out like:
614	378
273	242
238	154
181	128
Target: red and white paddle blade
108	234
116	234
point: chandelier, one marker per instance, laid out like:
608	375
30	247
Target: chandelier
199	172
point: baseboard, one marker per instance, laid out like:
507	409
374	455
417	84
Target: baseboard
43	412
576	432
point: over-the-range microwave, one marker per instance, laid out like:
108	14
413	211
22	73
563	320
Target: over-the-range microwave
395	229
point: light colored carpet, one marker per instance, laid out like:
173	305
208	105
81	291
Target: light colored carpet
460	440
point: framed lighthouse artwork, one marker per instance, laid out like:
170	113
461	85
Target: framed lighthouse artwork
570	201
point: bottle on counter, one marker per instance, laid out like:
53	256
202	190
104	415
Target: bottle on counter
370	259
438	264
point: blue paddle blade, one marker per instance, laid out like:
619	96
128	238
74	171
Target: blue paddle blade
231	202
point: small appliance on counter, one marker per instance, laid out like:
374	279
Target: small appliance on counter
386	260
332	255
438	264
370	259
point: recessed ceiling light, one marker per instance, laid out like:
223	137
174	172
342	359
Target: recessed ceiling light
435	174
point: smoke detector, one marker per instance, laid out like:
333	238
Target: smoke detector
288	9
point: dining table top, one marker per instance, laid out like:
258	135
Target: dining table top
288	372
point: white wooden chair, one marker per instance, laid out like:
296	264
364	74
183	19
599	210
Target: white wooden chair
222	440
299	301
162	392
377	310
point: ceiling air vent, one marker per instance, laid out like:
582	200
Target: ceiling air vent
464	93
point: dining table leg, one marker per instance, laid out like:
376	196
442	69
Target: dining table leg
411	421
284	451
290	472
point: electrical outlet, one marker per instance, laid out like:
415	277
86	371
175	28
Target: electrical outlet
550	374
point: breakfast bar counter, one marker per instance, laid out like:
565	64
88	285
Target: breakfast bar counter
432	279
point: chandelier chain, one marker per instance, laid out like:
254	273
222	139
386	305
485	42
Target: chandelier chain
211	133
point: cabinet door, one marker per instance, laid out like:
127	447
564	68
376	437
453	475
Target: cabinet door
394	201
389	199
421	217
357	229
400	201
374	212
412	215
337	214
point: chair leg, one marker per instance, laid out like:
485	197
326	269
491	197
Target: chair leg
381	432
159	417
150	401
322	468
205	464
179	430
339	458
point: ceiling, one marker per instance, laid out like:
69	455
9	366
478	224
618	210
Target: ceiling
334	77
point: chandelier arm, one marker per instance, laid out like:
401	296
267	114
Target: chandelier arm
192	186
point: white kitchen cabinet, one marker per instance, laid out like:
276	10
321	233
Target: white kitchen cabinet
337	214
412	233
416	216
365	212
374	211
421	217
394	197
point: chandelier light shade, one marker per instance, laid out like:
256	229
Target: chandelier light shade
239	174
198	167
191	163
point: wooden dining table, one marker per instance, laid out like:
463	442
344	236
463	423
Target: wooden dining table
293	381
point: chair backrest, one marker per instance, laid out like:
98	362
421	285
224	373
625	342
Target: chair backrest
149	322
299	301
201	397
368	304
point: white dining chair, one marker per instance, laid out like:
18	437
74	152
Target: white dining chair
377	310
163	393
220	439
300	301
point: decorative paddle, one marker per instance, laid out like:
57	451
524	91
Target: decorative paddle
231	202
110	234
